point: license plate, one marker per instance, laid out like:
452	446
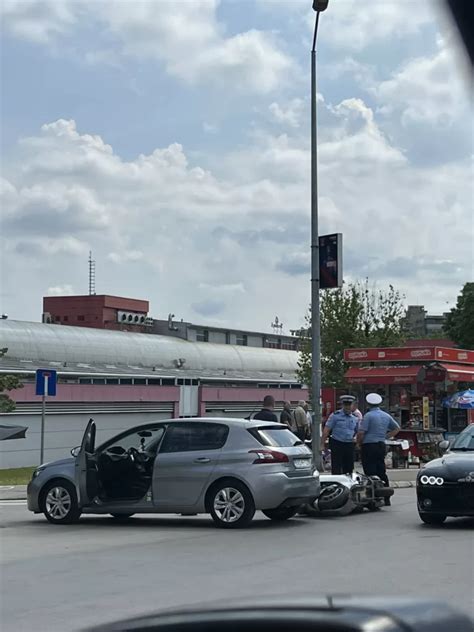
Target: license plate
302	464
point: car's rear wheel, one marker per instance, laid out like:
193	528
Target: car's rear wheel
59	502
122	516
431	518
281	513
231	504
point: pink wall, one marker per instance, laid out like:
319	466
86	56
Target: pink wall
98	393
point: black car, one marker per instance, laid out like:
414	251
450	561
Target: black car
445	486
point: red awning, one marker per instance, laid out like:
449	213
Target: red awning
382	374
458	372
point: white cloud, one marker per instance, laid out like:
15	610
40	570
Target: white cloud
38	21
185	36
235	245
427	90
354	25
60	290
289	114
125	256
210	128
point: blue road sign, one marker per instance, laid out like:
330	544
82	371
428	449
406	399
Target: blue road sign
46	382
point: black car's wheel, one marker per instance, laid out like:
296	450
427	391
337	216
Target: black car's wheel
431	518
281	513
59	502
122	516
231	504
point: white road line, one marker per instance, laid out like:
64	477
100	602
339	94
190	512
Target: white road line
12	502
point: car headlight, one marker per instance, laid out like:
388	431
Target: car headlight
431	480
37	472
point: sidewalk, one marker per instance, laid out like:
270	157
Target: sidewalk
398	479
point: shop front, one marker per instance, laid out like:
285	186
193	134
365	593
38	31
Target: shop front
414	382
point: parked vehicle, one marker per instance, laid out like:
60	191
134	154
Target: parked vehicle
445	486
342	494
226	467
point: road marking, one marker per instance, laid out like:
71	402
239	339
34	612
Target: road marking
12	502
3	487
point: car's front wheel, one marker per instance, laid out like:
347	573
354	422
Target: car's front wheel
231	504
431	518
281	513
59	502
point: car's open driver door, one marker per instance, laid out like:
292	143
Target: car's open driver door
85	467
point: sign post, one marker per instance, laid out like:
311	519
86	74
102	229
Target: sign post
45	385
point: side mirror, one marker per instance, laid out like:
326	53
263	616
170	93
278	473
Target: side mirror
75	451
443	446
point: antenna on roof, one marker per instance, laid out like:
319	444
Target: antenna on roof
91	274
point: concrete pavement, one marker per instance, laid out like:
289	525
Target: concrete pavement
67	578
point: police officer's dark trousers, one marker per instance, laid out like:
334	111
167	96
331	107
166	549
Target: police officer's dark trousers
342	456
373	460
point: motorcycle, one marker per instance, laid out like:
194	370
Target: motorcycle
343	494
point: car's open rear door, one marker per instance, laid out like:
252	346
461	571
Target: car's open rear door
85	468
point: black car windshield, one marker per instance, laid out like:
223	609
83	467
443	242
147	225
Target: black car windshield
275	437
465	441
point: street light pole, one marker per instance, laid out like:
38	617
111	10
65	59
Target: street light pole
318	6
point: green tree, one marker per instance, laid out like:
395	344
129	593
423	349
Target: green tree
7	383
356	315
460	321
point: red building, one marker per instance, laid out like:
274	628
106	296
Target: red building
97	311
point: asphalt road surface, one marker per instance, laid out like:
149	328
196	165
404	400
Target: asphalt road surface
67	578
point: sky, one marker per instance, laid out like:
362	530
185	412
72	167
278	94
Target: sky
172	140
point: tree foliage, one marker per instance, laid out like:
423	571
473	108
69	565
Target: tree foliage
460	321
7	383
356	315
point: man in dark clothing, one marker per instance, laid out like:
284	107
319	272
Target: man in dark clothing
286	416
267	414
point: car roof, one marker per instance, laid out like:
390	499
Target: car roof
230	421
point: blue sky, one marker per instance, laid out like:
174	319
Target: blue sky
171	138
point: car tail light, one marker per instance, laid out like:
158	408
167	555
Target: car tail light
269	456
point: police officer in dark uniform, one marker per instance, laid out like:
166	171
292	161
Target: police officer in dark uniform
342	428
375	427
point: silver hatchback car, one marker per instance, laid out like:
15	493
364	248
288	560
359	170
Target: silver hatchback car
226	467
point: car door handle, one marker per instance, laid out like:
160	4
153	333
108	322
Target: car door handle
202	459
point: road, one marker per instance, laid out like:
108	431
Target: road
66	578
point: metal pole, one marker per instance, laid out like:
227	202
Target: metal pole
43	412
315	316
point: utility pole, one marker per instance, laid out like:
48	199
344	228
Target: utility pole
318	6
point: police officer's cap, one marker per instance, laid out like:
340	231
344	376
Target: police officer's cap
347	399
374	399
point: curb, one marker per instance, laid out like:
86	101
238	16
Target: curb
402	484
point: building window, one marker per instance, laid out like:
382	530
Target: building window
81	318
242	340
112	380
139	381
227	337
272	343
65	318
57	318
125	380
202	335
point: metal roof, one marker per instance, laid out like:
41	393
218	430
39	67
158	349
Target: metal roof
83	349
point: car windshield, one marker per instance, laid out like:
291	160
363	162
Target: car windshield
275	437
465	441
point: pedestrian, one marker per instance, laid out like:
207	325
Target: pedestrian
356	411
309	420
301	420
267	413
286	416
376	427
341	427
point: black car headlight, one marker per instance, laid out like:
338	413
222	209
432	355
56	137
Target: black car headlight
425	479
37	472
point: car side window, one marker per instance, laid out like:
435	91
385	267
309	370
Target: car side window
141	439
192	436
